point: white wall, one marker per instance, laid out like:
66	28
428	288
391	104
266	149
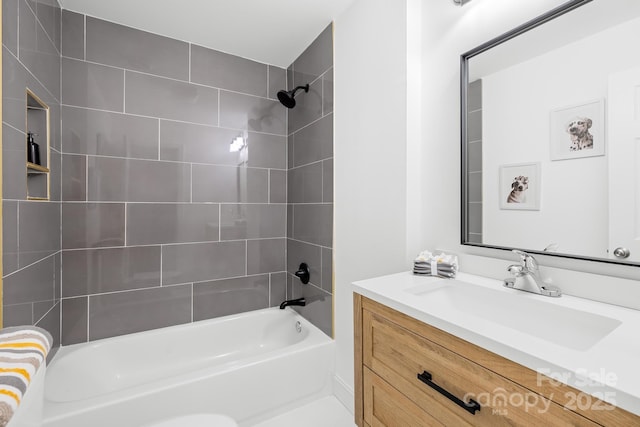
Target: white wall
397	158
516	107
370	147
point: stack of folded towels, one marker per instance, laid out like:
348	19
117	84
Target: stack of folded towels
441	265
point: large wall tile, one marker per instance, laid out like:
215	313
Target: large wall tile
126	47
305	184
55	177
9	236
198	262
327	270
187	142
37	52
92	85
41	308
308	108
252	221
14	155
475	218
18	314
39	235
72	38
51	322
319	307
226	184
219	69
277	186
240	111
313	223
31	284
277	81
327	181
49	14
475	156
74	177
266	255
316	59
314	142
327	92
135	311
109	134
14	82
92	225
75	317
170	99
267	151
94	271
278	289
114	179
299	252
10	25
150	223
231	296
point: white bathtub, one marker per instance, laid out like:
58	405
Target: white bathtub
249	366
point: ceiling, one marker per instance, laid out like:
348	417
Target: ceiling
275	32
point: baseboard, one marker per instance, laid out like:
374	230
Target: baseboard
343	393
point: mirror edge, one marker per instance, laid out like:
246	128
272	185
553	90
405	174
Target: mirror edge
464	76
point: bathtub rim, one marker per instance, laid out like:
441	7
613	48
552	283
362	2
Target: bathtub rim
59	409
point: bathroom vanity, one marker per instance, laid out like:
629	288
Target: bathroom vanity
425	356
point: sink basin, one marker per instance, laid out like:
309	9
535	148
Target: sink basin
568	327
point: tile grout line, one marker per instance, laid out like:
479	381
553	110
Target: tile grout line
86	178
101	110
126	214
84	38
88	317
180	162
124	92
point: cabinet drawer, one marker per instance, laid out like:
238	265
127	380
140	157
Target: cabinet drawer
386	406
399	356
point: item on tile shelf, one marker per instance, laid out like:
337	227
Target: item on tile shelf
441	265
33	149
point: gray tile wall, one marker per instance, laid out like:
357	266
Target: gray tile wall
161	223
310	180
474	154
31	40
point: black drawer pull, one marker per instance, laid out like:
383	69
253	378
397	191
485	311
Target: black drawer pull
470	407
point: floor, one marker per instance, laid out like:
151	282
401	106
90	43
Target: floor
324	412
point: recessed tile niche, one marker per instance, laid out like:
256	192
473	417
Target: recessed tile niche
37	142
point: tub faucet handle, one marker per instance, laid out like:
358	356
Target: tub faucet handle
303	273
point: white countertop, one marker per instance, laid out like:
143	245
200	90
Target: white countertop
608	370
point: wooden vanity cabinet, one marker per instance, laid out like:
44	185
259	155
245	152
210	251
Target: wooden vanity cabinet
408	373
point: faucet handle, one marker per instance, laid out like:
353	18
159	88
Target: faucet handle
528	261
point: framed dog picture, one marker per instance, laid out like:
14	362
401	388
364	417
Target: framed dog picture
520	186
577	131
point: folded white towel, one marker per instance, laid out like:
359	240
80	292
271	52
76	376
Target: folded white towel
441	265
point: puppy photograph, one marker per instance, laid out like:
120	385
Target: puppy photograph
580	137
519	188
577	131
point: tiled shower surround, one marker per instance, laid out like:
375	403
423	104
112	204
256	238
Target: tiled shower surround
31	229
161	223
310	178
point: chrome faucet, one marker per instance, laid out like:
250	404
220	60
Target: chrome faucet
526	277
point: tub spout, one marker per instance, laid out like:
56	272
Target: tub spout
298	301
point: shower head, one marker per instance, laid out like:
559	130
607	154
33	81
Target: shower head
286	98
